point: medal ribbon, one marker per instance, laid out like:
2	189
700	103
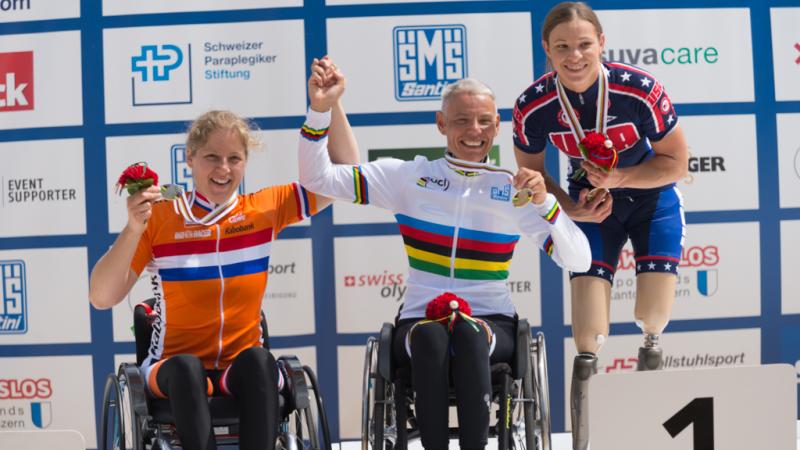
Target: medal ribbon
602	106
183	206
520	198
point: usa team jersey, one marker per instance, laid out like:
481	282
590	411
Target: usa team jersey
639	110
209	280
458	224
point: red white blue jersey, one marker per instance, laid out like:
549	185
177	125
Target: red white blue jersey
639	111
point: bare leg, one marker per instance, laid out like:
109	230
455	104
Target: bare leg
655	295
591	299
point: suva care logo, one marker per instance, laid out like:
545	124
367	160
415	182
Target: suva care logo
13	301
16	81
428	58
181	172
161	75
666	55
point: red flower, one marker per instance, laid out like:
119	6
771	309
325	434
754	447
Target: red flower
441	307
598	150
136	177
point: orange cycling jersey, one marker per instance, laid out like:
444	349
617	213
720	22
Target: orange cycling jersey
209	276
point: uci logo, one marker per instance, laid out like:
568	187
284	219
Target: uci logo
437	184
13	303
161	75
428	58
182	173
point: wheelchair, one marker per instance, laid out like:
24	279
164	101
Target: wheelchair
520	389
133	419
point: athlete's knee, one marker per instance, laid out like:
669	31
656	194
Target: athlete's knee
428	337
255	360
592	340
187	373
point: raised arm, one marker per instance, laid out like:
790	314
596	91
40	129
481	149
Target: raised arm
112	277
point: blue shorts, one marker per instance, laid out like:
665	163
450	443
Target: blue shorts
654	222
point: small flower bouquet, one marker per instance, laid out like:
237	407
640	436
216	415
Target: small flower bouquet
599	151
135	178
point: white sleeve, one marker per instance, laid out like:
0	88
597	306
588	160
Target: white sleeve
363	184
557	235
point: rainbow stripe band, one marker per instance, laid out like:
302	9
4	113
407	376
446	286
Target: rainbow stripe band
479	255
548	246
313	134
553	214
360	186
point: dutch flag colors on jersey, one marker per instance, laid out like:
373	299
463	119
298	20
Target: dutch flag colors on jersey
209	280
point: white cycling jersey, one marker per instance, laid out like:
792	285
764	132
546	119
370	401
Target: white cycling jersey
458	224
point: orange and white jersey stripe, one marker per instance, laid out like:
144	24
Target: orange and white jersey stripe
209	280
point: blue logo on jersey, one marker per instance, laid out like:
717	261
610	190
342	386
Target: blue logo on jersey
503	194
181	172
428	58
161	75
13	301
707	282
41	414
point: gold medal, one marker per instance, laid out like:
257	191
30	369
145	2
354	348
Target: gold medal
522	197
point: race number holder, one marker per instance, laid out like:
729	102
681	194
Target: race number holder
736	408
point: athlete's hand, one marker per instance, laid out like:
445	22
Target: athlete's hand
533	180
325	85
140	208
602	179
593	208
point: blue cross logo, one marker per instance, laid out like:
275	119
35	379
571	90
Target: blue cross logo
157	63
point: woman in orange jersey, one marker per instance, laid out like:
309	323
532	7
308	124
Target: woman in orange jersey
208	252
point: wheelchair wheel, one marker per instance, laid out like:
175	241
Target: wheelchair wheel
119	427
377	421
540	416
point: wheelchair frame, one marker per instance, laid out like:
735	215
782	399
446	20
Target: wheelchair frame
129	418
387	420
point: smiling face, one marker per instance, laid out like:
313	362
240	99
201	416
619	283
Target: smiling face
218	165
574	49
470	122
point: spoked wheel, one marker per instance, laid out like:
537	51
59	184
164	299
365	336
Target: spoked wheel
323	417
377	421
118	430
541	391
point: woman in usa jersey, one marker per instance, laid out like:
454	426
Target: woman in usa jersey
634	197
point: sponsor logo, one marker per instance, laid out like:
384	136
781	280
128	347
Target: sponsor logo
162	75
236	218
428	58
33	190
14	5
233	60
16	80
797	47
667	55
240	228
706	164
431	153
516	287
436	184
182	173
277	270
14	299
192	234
25	389
696	360
704	258
561	116
391	285
41	412
502	194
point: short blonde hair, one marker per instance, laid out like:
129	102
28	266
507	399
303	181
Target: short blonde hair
203	126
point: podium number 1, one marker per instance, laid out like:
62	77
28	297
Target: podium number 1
699	412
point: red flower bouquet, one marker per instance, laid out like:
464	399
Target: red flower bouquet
599	151
136	177
445	305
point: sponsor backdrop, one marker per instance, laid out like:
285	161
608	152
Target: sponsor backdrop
89	87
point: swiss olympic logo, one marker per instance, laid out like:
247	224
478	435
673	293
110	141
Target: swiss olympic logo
427	58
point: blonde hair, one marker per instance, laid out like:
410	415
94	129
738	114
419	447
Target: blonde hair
203	126
566	12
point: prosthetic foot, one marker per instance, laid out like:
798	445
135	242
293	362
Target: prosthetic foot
583	368
650	354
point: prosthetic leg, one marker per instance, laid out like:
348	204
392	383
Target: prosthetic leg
583	368
650	354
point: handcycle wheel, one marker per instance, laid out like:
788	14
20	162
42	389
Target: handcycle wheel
541	390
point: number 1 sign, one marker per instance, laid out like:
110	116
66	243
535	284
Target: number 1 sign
739	408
